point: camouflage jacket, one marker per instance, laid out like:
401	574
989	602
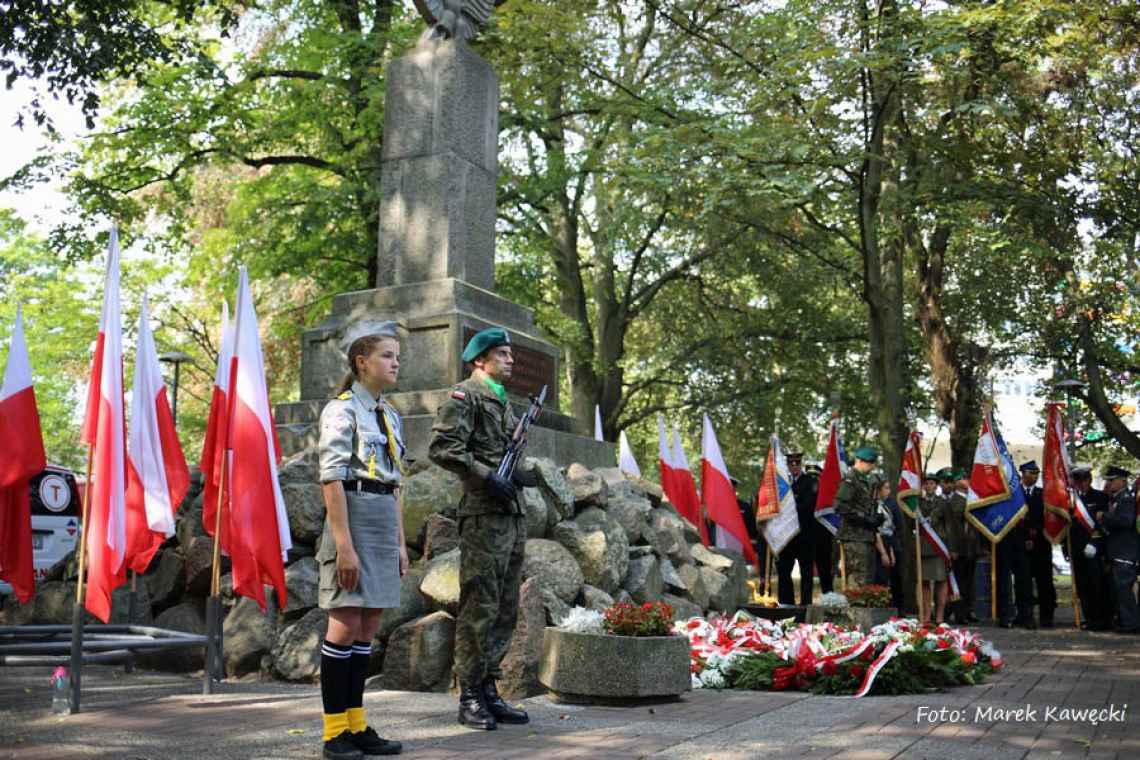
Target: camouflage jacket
854	504
469	438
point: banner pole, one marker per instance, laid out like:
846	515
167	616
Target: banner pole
76	674
1073	580
842	568
918	565
993	581
213	603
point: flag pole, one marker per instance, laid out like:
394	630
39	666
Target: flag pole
842	568
1073	581
993	581
76	674
213	604
767	569
918	565
132	602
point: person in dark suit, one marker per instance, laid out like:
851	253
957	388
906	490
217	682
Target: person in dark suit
1013	560
814	551
1038	548
1087	555
748	514
1122	545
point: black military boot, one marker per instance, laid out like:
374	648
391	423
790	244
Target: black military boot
503	712
472	712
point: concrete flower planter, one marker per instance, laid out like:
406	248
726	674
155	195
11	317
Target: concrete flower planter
864	617
603	669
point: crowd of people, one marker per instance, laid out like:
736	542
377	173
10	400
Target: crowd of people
875	536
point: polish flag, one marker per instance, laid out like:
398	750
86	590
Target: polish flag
157	476
719	495
598	423
626	461
910	475
665	465
834	469
214	447
103	430
687	488
1057	492
258	525
23	458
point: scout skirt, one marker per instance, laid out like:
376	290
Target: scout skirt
375	537
933	569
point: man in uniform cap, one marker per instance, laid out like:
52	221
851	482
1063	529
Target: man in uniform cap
859	518
1013	551
1123	546
812	545
966	542
1039	548
1091	572
469	438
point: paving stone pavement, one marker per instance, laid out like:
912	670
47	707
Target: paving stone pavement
153	716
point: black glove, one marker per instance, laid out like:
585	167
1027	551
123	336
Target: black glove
503	489
877	520
524	479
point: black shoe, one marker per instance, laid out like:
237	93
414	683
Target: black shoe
1047	623
371	743
472	712
1127	631
503	712
340	747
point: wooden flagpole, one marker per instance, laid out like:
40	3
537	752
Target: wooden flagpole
767	569
213	604
993	581
842	568
1073	580
76	674
918	565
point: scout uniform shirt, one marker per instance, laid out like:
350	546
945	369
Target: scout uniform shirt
854	504
472	430
357	443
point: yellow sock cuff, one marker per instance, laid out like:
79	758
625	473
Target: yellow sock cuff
335	725
356	721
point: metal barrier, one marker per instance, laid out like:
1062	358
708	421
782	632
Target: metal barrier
31	645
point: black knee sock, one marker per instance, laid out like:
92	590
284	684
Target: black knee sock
336	685
361	654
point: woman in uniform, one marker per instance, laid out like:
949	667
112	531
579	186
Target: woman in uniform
362	554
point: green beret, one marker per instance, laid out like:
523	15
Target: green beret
483	341
947	473
867	454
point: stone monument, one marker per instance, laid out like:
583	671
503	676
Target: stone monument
436	262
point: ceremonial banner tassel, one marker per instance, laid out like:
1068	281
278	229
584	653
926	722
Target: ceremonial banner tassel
23	458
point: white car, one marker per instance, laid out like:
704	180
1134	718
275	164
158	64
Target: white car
56	512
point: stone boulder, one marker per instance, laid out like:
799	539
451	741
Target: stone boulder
188	522
617	484
722	596
440	585
305	505
412	605
555	490
702	555
301	467
51	605
190	617
556	609
167	579
520	665
671	577
642	550
198	558
667	534
643	581
555	568
598	544
66	569
302	585
683	609
297	654
537	512
623	597
440	536
633	514
648	489
588	487
248	635
420	654
593	598
428	491
694	584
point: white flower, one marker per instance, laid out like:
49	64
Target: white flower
833	600
582	620
712	679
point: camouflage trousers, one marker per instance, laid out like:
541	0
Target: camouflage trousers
490	571
859	562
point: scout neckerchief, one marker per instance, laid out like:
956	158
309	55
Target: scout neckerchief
393	449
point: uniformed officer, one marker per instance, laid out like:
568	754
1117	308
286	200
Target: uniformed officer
1039	548
935	585
1013	561
1123	546
967	545
859	518
1088	557
471	434
362	554
814	548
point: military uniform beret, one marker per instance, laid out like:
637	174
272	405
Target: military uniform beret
867	454
483	341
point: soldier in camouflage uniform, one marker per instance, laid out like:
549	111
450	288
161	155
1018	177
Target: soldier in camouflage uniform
471	433
859	519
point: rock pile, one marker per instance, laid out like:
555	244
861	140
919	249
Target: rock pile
594	537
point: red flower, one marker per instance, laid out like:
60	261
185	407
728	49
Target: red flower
943	644
969	658
830	668
855	670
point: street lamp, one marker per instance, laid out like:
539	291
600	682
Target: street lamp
177	358
1069	387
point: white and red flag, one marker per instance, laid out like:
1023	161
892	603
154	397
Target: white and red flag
834	468
1057	492
157	476
23	458
687	488
259	536
718	494
665	465
104	431
214	446
910	475
627	463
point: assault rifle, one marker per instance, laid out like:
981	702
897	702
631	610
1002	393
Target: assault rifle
518	439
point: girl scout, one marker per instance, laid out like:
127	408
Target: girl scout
362	553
